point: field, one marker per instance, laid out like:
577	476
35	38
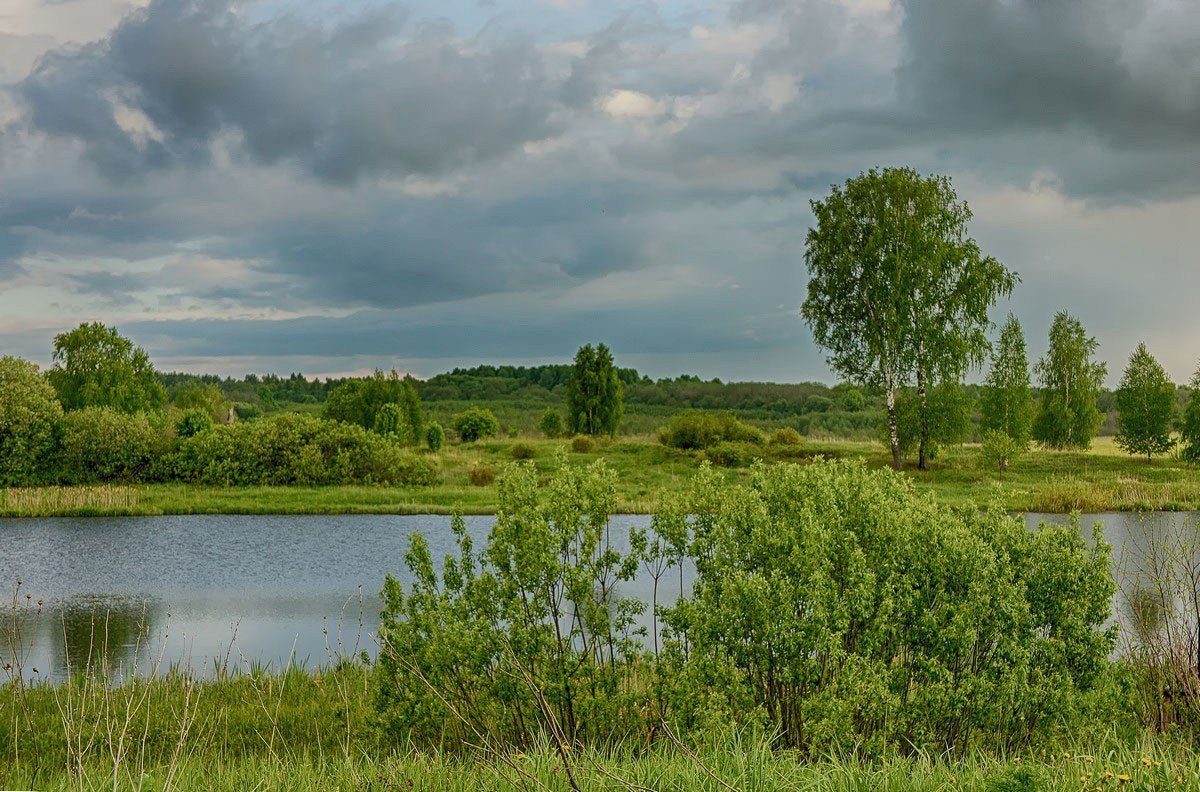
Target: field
1103	478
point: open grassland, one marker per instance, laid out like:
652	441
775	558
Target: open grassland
1101	479
312	730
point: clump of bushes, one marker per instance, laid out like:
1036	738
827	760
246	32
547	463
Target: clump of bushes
193	421
730	455
481	475
999	450
29	418
700	430
787	436
551	423
476	423
102	444
435	437
523	451
583	444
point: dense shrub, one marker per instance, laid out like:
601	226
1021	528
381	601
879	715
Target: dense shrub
475	424
358	401
29	420
297	449
102	444
523	451
999	450
730	455
482	475
551	423
193	421
787	436
583	444
435	437
692	430
394	422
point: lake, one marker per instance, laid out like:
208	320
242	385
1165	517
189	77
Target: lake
239	591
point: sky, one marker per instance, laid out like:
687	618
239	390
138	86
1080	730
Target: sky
331	187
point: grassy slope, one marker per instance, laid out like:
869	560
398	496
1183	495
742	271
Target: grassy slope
1102	479
310	730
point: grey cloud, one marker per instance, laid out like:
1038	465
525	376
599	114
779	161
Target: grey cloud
368	96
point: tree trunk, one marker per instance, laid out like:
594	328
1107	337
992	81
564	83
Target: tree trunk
893	429
922	457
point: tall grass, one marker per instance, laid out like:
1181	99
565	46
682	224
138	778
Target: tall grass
76	501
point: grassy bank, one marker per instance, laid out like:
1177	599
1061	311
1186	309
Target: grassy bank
311	730
1101	479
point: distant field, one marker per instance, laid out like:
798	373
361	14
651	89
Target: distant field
1101	479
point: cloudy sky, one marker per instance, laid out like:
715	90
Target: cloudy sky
335	185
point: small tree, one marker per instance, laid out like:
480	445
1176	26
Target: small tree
945	421
1189	424
95	366
1145	406
435	437
1071	380
29	420
594	392
1000	450
551	424
475	424
1007	403
193	421
391	421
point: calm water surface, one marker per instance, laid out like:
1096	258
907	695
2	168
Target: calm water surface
243	590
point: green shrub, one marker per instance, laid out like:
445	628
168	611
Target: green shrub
193	421
551	423
523	451
359	401
583	444
482	475
699	430
246	411
29	420
999	450
476	423
729	455
102	444
435	437
394	422
787	436
908	625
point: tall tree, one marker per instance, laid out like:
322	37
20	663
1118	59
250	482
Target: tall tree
897	289
1189	423
1007	403
1071	380
594	392
1145	406
95	366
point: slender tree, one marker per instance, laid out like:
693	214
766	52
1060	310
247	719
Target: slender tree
1007	403
1189	423
1145	406
1071	380
95	366
594	392
897	290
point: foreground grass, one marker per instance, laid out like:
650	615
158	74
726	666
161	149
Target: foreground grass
311	730
1100	479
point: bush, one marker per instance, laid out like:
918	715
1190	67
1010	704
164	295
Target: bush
551	424
729	455
290	448
699	430
101	444
482	475
193	422
786	436
523	451
435	437
914	626
583	444
29	421
475	424
999	450
394	422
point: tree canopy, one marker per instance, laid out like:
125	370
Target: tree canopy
1071	380
29	417
1145	406
898	291
95	366
359	402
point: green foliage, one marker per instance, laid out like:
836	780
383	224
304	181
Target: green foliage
193	422
290	448
907	625
95	366
393	421
487	636
1007	403
582	444
358	401
435	436
947	411
1145	406
1071	381
691	430
853	400
730	455
29	421
1189	422
787	436
999	450
103	444
594	392
206	397
481	475
522	451
896	286
476	423
551	423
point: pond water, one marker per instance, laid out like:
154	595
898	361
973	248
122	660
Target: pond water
203	591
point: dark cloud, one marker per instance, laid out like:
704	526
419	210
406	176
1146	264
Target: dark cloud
372	95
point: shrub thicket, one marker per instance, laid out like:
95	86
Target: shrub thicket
476	423
29	421
102	444
692	430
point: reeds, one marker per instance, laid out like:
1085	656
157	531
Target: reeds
68	501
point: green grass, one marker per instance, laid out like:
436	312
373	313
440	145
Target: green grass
311	730
1100	479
